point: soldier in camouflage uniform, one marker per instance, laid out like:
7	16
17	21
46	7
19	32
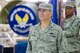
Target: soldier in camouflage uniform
72	28
46	37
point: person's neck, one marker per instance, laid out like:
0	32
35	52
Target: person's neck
67	17
45	24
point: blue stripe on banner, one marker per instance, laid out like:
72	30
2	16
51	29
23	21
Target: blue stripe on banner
54	16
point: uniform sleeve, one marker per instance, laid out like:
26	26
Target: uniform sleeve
29	47
73	29
61	43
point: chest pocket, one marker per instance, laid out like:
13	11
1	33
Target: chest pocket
51	40
33	38
52	37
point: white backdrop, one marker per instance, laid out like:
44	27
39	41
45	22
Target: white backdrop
37	0
78	7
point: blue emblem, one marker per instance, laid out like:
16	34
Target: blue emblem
21	18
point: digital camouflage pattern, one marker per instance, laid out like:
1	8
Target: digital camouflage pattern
51	40
72	32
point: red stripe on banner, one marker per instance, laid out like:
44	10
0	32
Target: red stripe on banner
61	15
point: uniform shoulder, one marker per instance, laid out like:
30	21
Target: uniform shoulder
34	27
56	27
77	18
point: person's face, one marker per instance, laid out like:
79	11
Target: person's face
44	14
69	11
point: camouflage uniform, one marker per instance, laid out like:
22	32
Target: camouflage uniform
72	32
51	40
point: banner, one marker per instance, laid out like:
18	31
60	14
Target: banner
54	16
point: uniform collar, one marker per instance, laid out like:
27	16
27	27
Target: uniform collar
45	30
66	20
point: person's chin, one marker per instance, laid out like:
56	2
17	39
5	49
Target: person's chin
42	19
